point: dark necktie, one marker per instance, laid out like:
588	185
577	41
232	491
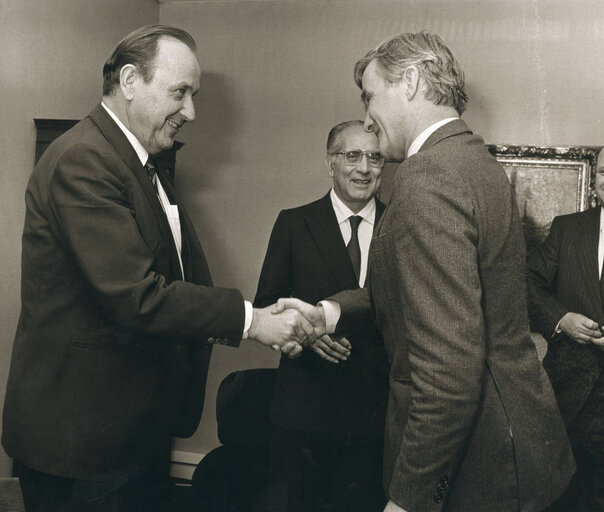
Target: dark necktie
151	174
354	249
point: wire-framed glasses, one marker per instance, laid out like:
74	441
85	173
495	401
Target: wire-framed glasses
354	157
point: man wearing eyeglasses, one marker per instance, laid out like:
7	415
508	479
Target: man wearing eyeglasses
329	404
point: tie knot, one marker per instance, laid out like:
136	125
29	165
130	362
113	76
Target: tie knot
355	220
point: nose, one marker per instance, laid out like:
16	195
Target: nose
188	108
363	165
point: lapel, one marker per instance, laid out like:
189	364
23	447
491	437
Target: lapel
448	130
193	258
114	135
379	217
324	229
323	226
586	246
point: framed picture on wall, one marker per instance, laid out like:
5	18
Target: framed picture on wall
548	181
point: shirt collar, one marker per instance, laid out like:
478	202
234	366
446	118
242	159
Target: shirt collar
141	152
423	137
601	219
343	213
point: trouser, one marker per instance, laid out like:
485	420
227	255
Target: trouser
323	472
126	490
585	492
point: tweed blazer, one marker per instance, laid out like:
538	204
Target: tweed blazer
472	420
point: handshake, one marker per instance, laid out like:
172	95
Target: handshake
289	325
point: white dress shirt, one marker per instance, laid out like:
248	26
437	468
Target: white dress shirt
332	308
601	242
365	232
171	210
423	137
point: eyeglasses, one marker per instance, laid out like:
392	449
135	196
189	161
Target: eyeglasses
355	156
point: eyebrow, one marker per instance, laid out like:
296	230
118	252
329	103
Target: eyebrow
184	85
366	96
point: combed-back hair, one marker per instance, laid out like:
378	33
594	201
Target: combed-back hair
139	48
439	69
334	139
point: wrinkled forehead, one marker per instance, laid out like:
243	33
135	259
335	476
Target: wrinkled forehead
356	137
176	62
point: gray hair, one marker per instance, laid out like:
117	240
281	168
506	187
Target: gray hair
334	139
436	64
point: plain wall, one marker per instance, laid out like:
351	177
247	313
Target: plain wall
50	67
277	75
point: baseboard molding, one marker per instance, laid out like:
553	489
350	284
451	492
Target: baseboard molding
183	464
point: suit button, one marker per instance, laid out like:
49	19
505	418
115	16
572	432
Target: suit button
437	498
211	340
444	480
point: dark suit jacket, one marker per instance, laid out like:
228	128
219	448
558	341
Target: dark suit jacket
111	350
472	421
307	259
562	276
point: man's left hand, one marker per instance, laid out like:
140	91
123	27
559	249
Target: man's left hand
332	349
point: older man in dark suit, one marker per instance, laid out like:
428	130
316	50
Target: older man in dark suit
566	305
472	421
118	309
327	444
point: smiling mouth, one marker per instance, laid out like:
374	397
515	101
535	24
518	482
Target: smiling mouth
173	124
361	182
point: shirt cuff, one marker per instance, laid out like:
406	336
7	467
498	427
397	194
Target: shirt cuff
247	323
332	314
557	331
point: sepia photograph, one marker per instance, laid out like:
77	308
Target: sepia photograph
302	256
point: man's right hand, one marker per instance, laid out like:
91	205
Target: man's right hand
581	329
314	314
286	331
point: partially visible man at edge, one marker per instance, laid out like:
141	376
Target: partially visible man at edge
328	419
566	305
118	308
472	421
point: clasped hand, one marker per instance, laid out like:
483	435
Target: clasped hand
291	324
582	329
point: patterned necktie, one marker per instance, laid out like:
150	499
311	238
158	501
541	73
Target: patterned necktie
354	249
151	174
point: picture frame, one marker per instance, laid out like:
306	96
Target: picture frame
548	181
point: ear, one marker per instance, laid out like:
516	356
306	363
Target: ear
329	165
411	81
128	77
